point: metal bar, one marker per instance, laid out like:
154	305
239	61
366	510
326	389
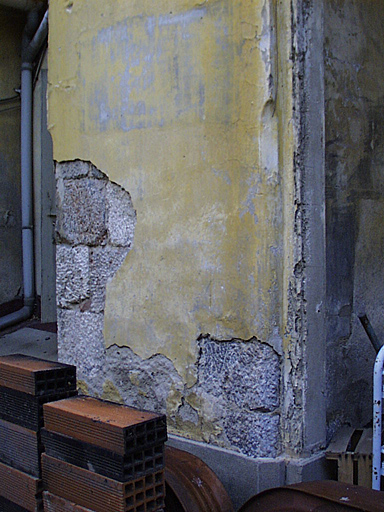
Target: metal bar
370	332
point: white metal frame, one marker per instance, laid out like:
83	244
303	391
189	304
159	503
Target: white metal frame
378	394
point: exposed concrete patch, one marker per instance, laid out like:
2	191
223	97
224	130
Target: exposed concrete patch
82	211
95	229
72	268
246	372
235	401
151	384
103	262
224	408
238	385
81	342
111	393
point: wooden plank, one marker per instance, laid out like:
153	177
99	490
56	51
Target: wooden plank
364	471
345	468
339	443
364	446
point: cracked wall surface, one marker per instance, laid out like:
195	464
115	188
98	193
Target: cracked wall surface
176	103
94	231
355	191
209	115
236	398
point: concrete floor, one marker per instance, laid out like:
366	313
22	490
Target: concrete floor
29	341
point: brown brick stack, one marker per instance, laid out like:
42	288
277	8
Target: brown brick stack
26	383
103	457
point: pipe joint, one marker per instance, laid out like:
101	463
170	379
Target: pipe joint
26	66
29	302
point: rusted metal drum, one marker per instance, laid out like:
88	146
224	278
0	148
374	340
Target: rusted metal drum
191	486
321	496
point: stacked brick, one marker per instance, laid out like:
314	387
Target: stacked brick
102	457
26	383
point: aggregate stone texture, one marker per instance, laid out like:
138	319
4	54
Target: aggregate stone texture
73	169
72	274
254	434
81	342
149	384
82	211
103	263
247	373
121	218
241	379
237	389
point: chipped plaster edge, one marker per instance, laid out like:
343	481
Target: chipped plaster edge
304	407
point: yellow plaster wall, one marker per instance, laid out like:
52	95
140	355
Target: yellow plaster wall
175	101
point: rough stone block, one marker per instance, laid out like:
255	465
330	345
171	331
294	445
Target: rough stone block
72	169
246	373
121	216
81	342
82	211
254	434
104	262
72	274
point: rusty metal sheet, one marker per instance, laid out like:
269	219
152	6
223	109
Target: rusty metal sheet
319	495
192	486
36	376
20	448
24	409
100	493
104	462
53	503
22	489
115	427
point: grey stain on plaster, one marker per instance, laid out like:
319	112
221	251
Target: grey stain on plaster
355	188
182	73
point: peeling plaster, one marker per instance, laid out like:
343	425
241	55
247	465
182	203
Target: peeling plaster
194	108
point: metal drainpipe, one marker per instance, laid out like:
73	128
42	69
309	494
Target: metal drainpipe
30	50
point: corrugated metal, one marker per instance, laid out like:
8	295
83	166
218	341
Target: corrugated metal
112	426
36	376
20	448
102	461
20	488
100	493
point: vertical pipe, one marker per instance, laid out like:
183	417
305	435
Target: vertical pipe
26	183
32	41
377	419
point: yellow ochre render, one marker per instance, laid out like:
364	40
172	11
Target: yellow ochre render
176	102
